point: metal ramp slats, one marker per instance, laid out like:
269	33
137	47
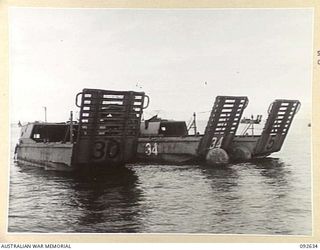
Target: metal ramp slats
223	122
281	113
110	109
109	126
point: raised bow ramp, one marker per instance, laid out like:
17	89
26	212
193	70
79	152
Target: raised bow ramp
109	125
223	123
281	113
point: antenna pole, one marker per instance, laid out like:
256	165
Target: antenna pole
194	123
252	124
45	114
71	127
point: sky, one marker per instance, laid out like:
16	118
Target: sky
181	58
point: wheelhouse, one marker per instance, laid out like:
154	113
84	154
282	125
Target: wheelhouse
160	127
47	132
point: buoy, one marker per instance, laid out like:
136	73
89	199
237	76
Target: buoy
241	153
217	156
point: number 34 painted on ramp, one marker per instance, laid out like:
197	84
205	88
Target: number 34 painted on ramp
215	143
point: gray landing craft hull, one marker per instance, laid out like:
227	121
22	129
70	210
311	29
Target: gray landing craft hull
50	156
182	150
219	140
105	136
108	135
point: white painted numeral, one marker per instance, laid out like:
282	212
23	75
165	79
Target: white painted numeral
148	149
155	149
151	149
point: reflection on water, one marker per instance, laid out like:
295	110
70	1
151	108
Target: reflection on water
223	179
85	200
247	198
274	169
112	197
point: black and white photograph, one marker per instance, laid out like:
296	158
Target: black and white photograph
193	121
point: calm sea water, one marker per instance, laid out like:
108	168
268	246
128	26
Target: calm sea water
270	196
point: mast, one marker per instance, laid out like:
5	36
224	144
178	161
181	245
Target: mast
194	123
71	127
45	114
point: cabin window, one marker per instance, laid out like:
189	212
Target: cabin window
36	136
173	128
52	133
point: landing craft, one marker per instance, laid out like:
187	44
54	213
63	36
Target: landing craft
105	136
110	133
168	141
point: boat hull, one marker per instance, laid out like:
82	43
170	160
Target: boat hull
163	150
50	156
175	150
182	150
